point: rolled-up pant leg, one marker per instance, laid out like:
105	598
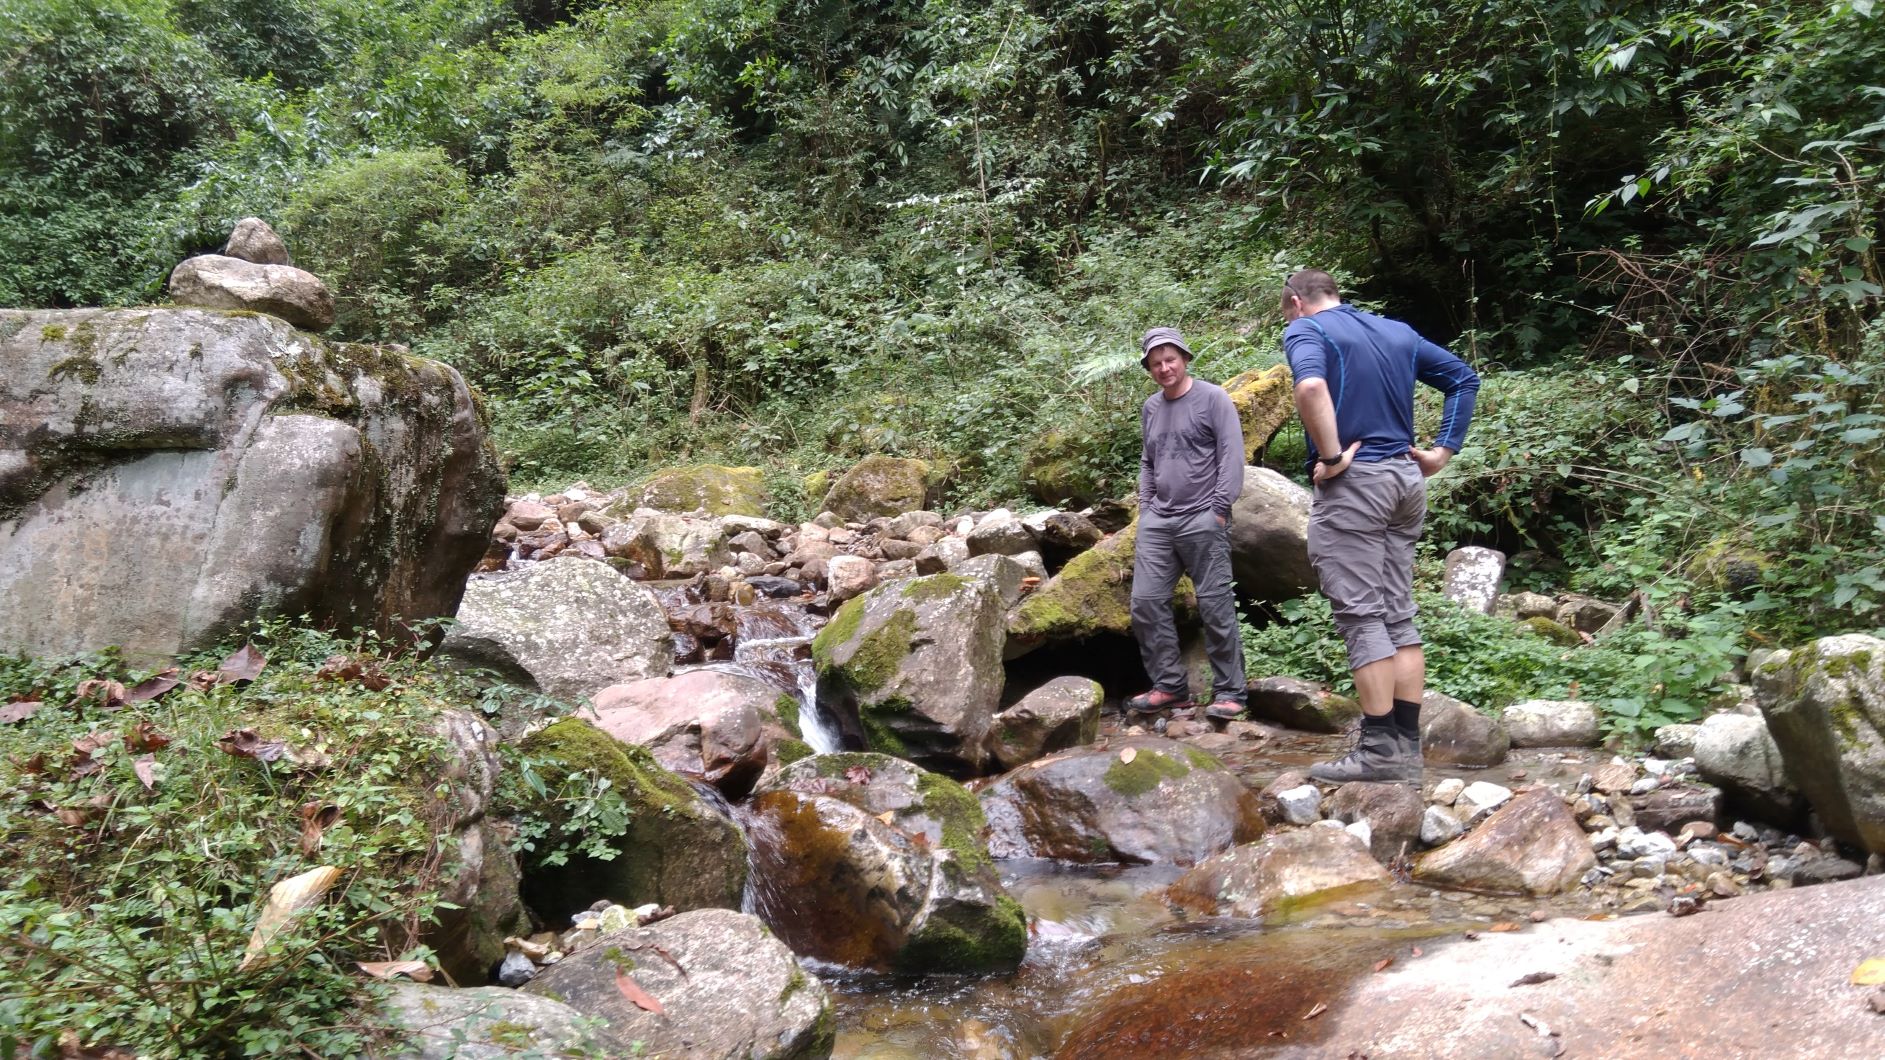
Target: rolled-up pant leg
1362	530
1204	549
1155	571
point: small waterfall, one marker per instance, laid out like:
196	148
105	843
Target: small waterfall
776	641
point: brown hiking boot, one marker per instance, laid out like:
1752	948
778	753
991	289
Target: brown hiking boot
1377	756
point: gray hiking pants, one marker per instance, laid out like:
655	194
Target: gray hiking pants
1198	546
1362	529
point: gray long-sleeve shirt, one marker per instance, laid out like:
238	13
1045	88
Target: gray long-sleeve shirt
1193	459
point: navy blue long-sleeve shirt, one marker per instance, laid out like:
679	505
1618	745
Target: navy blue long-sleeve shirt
1370	364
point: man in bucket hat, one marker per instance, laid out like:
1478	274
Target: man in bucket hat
1191	470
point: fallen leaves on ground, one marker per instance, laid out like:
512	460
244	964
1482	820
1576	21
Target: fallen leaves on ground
14	713
1126	756
244	664
109	694
244	743
361	669
640	998
1534	978
1382	964
83	763
316	818
1504	925
153	686
286	900
858	774
1869	972
417	971
143	736
146	769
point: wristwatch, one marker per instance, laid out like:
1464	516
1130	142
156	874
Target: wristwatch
1329	461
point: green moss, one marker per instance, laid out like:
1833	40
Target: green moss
879	736
879	653
793	984
1202	760
1551	630
79	366
1142	774
838	631
968	940
1092	594
960	814
790	751
631	768
834	765
510	1035
622	961
934	587
718	489
52	333
787	707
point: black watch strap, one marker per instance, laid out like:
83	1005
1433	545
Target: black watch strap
1329	461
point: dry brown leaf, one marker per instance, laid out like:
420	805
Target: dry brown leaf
108	693
71	817
640	998
204	680
14	713
245	664
143	736
1126	756
858	774
146	769
316	818
1320	1008
1534	978
1382	964
362	669
244	743
1416	952
1869	972
888	816
417	971
153	686
1504	925
286	900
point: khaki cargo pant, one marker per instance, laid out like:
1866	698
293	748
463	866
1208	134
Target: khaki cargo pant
1362	529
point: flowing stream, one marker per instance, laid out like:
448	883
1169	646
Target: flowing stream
1113	969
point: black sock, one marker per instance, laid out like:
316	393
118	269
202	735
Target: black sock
1407	717
1384	721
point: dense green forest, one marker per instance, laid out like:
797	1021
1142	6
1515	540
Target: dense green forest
791	232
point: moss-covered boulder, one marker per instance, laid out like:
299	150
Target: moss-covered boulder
1092	594
1552	630
480	1023
1144	799
1265	402
879	486
727	989
479	884
716	489
1300	704
665	545
870	862
1068	467
1825	709
1269	538
1062	713
168	475
1729	565
678	849
914	669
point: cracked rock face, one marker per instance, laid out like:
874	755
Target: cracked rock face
167	475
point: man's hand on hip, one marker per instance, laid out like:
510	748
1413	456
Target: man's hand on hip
1324	472
1430	460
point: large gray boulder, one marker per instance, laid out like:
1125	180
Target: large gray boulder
168	475
728	990
1269	538
669	546
1553	723
915	668
879	486
1825	706
1736	753
1472	577
480	1023
1142	800
215	281
568	626
1299	704
867	861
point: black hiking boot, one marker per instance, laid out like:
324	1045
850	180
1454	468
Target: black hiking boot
1378	756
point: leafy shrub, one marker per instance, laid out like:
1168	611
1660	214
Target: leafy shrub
142	847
